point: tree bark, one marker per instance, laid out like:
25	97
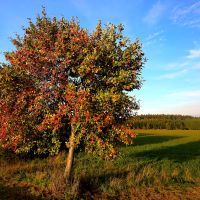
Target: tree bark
70	159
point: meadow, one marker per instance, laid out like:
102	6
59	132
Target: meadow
161	164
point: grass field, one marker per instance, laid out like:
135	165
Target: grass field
161	164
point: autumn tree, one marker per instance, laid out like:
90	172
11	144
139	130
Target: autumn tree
72	86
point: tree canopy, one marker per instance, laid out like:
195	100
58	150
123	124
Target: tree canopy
65	84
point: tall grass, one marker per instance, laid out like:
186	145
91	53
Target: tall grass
157	158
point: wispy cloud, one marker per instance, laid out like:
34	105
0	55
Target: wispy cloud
172	75
184	64
151	42
154	103
151	36
162	38
154	13
186	15
192	22
176	65
194	53
186	94
193	80
197	66
184	103
171	66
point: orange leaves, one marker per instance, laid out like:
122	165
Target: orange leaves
98	70
96	118
67	97
57	95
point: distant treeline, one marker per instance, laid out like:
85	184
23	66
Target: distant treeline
169	122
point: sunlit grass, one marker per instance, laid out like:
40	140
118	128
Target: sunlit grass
157	158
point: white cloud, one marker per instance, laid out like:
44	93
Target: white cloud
186	94
153	15
172	75
151	36
194	54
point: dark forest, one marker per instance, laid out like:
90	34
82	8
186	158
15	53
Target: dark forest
169	122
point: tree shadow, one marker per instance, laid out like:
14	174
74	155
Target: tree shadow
179	153
144	139
21	191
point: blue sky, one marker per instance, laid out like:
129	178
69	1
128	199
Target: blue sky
168	29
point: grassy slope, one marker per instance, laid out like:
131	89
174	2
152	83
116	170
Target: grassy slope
159	160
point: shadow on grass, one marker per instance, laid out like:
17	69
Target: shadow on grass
178	153
144	139
21	191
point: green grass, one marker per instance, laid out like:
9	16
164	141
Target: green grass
157	158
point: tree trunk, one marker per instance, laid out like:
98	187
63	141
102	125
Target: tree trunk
70	159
